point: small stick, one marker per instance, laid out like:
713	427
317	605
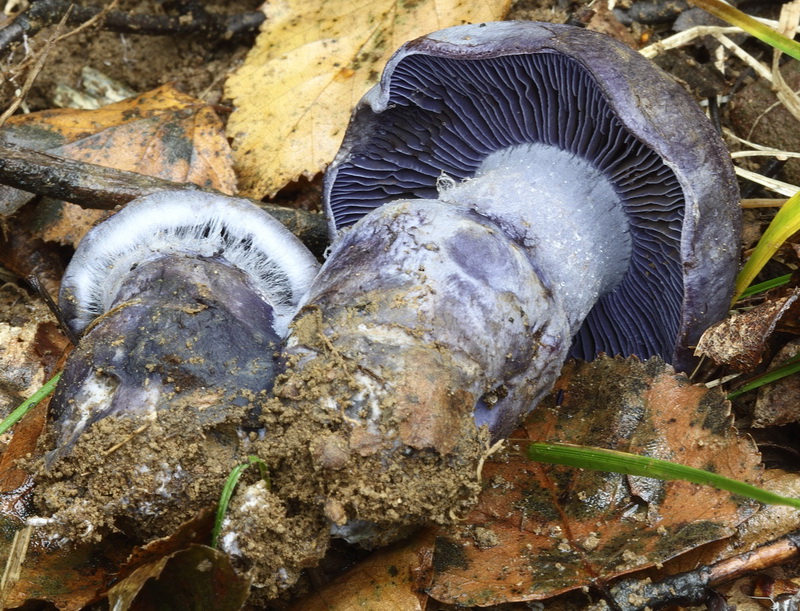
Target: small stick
34	72
13	568
53	306
692	587
117	446
95	186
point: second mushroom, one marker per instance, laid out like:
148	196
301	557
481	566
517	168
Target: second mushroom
518	193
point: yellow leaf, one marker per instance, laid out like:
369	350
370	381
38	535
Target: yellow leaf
312	62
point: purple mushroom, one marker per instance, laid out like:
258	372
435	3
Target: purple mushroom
510	194
178	292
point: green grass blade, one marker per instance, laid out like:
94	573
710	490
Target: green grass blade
28	405
790	367
599	459
785	223
229	487
755	28
763	287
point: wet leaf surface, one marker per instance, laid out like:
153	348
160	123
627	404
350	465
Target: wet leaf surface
540	530
198	577
312	62
161	133
391	578
168	573
69	577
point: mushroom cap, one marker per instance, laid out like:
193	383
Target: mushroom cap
447	100
278	266
201	341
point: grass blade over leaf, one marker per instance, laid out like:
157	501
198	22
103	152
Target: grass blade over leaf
630	464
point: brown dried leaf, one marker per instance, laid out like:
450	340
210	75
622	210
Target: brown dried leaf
27	255
770	524
777	403
70	577
161	133
540	530
391	578
79	574
198	577
740	341
312	62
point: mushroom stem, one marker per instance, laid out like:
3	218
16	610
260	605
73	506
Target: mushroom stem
564	213
432	319
486	286
422	309
176	323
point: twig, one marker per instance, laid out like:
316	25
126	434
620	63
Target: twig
13	568
117	446
47	12
34	72
99	187
692	587
90	22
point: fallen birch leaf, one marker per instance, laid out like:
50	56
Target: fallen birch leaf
540	530
771	523
312	62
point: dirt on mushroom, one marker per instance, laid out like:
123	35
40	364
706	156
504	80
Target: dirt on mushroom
147	475
324	464
142	475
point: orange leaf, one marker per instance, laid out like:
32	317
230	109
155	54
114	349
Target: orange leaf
162	133
540	530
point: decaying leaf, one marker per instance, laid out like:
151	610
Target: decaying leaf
161	133
198	577
312	62
771	523
740	341
540	530
30	344
69	577
391	578
81	573
777	403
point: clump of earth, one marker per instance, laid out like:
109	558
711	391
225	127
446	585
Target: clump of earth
146	474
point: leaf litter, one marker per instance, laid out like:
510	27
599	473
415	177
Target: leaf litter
554	528
635	500
311	63
162	133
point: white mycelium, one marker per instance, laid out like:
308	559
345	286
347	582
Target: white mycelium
206	225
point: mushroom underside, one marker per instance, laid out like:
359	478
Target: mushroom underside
443	117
